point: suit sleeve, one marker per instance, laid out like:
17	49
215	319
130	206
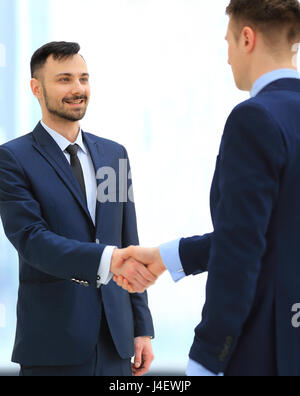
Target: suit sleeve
29	233
143	324
194	254
252	158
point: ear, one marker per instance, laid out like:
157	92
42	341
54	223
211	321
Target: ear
36	88
249	38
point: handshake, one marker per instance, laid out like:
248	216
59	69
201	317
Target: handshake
135	268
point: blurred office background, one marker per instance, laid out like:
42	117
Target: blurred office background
162	87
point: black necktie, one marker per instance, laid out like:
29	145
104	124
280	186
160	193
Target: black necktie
76	167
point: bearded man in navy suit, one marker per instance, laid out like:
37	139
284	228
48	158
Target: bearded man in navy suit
250	323
72	319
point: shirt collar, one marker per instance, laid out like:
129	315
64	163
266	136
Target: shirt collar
272	76
62	142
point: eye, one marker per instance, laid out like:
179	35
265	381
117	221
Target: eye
64	79
84	79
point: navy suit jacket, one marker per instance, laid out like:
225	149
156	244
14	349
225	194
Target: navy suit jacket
46	219
253	255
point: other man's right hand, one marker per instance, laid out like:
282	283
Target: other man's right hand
137	275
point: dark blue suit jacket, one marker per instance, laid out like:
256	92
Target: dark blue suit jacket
253	255
46	219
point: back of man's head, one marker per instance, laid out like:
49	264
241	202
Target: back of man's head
272	18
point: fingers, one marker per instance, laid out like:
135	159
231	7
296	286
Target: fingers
128	287
139	272
118	259
119	280
138	372
151	258
135	287
143	281
146	274
123	283
137	275
137	358
143	358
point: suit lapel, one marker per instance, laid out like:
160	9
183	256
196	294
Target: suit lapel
100	158
51	152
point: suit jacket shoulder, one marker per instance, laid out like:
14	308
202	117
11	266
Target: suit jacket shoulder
19	143
109	144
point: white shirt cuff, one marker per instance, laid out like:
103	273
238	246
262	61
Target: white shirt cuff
195	369
170	255
104	274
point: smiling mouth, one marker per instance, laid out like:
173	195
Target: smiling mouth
74	102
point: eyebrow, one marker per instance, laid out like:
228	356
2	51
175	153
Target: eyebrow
70	74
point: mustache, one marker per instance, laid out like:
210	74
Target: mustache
82	97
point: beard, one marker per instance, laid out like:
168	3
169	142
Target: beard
60	111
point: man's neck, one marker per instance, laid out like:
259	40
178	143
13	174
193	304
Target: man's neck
267	68
67	129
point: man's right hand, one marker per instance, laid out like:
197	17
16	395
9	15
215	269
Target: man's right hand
151	259
137	275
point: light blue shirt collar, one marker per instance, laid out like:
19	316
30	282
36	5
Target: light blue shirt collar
62	142
272	76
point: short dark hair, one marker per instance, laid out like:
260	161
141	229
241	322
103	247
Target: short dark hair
58	49
268	16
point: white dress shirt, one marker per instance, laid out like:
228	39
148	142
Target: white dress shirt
104	274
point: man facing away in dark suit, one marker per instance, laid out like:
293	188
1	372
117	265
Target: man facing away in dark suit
71	318
250	324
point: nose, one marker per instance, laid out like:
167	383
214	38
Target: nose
77	88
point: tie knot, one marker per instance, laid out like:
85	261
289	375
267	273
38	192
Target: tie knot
72	150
